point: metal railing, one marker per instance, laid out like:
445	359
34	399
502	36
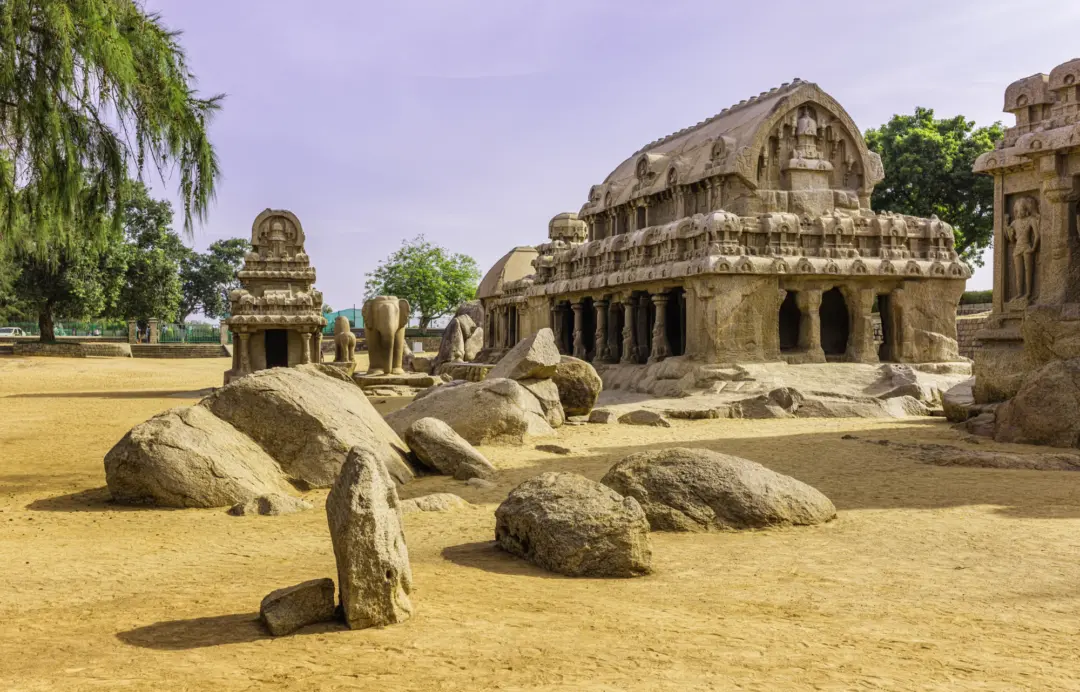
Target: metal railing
63	328
189	334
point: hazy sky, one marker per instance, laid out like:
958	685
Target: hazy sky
473	122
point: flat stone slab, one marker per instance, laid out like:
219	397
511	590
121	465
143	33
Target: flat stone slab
416	380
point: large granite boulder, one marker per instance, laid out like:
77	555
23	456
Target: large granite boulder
374	574
187	457
308	422
959	401
569	524
699	490
1046	409
532	358
463	337
495	411
579	385
547	393
441	449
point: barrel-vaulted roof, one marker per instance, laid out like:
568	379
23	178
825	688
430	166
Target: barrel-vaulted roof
512	266
728	143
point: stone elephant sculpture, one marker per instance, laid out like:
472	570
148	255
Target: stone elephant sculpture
385	318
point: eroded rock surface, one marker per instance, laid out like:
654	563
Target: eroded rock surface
270	506
699	490
364	514
1046	409
579	385
535	357
286	610
438	447
571	525
436	502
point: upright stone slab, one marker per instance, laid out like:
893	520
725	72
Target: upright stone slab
536	357
364	514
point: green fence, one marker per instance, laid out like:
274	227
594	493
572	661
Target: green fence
190	334
61	328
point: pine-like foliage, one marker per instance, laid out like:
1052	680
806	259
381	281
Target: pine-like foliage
91	92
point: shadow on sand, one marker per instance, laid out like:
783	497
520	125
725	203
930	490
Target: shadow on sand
93	500
487	556
131	394
199	633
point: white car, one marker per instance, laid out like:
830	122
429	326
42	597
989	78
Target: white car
11	331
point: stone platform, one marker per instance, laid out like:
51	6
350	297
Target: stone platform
415	380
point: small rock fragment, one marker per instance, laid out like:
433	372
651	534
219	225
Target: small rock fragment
286	610
436	502
270	505
643	417
553	449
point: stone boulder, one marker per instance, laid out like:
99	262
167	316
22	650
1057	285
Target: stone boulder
441	449
187	457
547	393
700	490
495	411
579	385
958	401
374	574
474	309
463	338
270	506
436	502
644	417
569	524
1046	409
474	344
534	358
286	610
308	422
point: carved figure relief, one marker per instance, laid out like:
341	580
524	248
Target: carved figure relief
1023	233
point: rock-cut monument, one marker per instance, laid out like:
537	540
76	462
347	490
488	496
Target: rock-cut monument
277	313
747	237
1036	170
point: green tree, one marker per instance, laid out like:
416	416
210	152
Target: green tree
432	280
928	171
89	91
207	278
153	255
77	280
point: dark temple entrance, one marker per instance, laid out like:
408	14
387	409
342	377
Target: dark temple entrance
835	323
675	321
790	321
277	348
887	349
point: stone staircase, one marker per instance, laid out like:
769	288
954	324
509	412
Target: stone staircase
178	351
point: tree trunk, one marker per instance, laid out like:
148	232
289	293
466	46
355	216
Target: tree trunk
424	320
45	324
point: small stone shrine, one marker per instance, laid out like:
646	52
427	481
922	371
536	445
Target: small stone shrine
747	237
277	313
1036	169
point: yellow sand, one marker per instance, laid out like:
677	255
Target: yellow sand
931	578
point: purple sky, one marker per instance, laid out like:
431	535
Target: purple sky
474	122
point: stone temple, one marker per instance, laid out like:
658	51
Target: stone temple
277	313
1036	169
747	237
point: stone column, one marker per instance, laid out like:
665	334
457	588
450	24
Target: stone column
223	332
660	348
579	335
504	322
809	302
629	332
642	328
557	325
245	353
600	345
133	332
305	348
316	345
154	334
861	340
614	335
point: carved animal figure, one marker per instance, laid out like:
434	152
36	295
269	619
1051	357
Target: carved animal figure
344	340
385	318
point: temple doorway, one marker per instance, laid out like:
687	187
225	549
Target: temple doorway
790	322
512	326
566	336
588	328
675	321
277	348
835	323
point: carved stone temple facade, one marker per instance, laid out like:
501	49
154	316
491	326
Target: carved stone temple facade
747	237
1036	169
277	313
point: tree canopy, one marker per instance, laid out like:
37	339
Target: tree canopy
434	281
89	91
153	253
928	166
208	277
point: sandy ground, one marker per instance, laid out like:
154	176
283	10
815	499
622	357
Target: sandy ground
931	578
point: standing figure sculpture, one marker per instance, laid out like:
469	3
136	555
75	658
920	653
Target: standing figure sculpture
385	318
1023	233
344	340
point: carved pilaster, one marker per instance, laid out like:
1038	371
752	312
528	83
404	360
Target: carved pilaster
600	347
579	330
660	347
305	348
245	353
629	340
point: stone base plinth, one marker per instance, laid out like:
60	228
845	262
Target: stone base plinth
346	366
471	372
415	380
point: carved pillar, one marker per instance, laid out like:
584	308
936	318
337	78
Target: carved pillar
1055	276
642	328
680	202
305	348
614	335
504	323
660	348
316	345
860	347
809	302
579	335
245	353
629	332
557	325
600	346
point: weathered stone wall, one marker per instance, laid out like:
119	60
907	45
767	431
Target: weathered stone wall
967	326
73	350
